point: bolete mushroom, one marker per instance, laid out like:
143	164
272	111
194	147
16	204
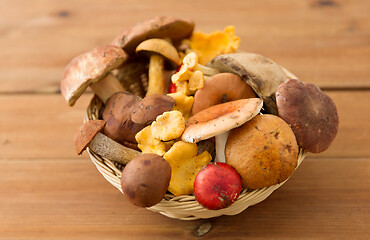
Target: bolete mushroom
310	113
159	50
260	72
117	114
220	118
263	151
159	27
93	69
150	107
145	179
89	135
221	88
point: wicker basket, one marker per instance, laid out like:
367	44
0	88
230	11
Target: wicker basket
182	207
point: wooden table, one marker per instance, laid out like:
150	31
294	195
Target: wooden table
48	192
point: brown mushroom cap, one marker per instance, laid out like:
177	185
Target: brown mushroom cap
221	88
260	72
263	151
150	107
310	112
88	68
86	133
220	118
158	27
117	114
160	47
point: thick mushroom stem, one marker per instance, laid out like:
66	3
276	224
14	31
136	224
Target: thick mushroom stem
157	84
208	71
110	149
221	140
106	87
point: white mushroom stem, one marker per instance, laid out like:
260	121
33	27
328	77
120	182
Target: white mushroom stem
157	83
206	70
221	140
110	149
106	87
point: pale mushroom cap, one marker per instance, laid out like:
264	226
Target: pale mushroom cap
85	134
260	72
158	27
88	68
161	47
220	118
311	114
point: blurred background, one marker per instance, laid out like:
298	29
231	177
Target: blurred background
47	191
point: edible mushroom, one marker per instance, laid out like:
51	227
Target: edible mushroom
93	69
260	72
310	112
159	27
150	107
117	114
220	118
221	88
89	135
159	50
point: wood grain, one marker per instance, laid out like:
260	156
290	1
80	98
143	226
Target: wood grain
324	42
42	125
68	199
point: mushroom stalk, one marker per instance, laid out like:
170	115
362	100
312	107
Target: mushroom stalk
156	83
110	149
221	140
106	87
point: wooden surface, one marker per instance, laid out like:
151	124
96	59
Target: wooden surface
47	192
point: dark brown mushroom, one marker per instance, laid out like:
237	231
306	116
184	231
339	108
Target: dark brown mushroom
89	135
93	69
117	114
151	107
310	113
158	27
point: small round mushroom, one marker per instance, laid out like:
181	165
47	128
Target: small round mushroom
159	50
89	135
220	118
263	151
150	107
145	179
117	114
221	88
260	72
93	69
159	27
310	112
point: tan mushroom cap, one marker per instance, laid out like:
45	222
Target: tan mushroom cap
220	118
159	27
161	47
221	88
88	68
86	133
263	151
260	72
310	112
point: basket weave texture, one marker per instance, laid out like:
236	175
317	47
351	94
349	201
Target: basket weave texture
183	207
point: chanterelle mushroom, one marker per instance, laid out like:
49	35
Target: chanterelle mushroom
89	135
159	27
93	69
159	51
260	72
310	112
220	118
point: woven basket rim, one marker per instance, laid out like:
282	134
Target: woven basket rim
184	207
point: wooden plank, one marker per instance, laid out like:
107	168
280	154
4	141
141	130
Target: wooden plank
69	199
324	42
42	126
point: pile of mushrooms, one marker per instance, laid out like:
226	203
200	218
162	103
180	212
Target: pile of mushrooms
240	109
